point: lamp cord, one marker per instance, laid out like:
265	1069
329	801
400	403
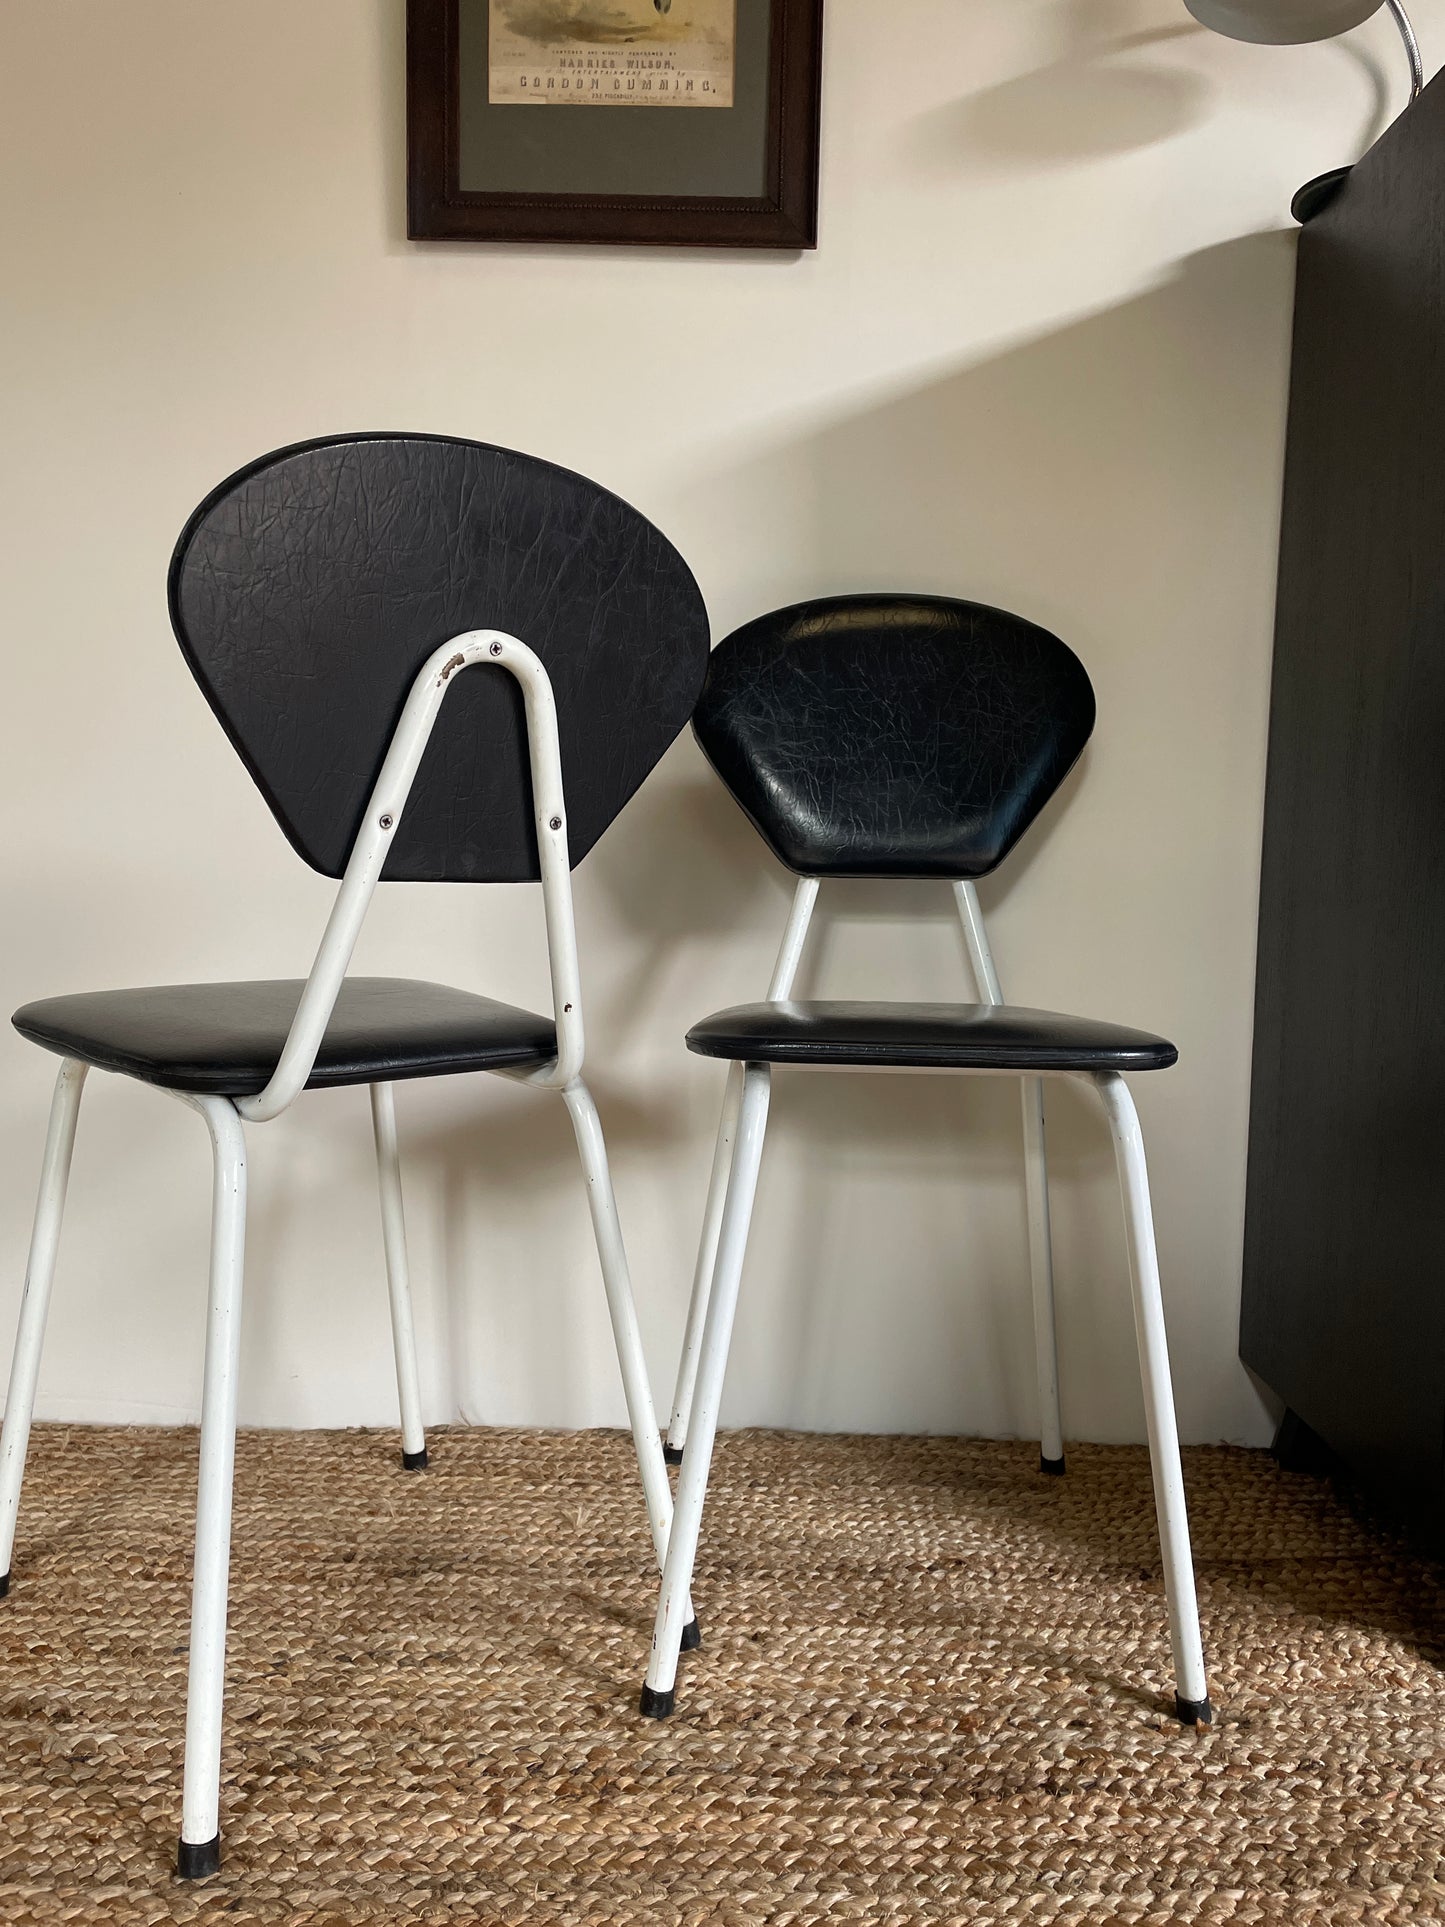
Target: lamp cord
1412	46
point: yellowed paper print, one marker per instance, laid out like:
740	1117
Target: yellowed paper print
612	53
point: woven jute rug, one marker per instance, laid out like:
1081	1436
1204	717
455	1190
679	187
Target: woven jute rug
934	1688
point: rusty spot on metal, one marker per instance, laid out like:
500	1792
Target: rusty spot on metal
457	662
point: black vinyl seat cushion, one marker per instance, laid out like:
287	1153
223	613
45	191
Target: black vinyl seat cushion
224	1040
960	1037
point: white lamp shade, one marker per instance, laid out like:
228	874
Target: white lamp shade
1281	23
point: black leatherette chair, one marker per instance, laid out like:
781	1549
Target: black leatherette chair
916	737
438	660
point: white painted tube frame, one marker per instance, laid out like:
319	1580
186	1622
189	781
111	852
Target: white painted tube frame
1036	1187
199	1852
1192	1691
673	1605
785	973
626	1334
35	1302
713	1305
373	842
1036	1181
1191	1702
200	1844
398	1277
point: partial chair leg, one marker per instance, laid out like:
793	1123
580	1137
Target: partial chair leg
617	1282
673	1609
1191	1700
200	1845
398	1283
1041	1269
39	1272
717	1190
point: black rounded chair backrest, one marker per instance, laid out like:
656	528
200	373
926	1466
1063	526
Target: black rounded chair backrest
308	590
893	735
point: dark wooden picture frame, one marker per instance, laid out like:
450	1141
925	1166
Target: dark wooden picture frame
784	216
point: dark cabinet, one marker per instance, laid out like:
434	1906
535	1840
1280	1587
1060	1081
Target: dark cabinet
1344	1265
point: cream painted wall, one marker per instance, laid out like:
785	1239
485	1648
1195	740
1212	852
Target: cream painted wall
1039	358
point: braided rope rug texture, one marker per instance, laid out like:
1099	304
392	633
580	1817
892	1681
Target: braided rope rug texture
934	1689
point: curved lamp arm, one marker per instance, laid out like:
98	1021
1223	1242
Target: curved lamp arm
373	841
1412	46
1286	23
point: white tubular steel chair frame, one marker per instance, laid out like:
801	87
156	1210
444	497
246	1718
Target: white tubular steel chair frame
718	1275
225	1119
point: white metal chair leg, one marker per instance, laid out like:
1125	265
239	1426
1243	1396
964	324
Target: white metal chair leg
39	1273
1191	1688
785	974
673	1606
617	1282
1036	1182
200	1844
717	1190
398	1281
1041	1269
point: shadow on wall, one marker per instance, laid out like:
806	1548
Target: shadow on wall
506	1163
1096	98
1125	445
1107	91
1116	481
1072	442
1130	460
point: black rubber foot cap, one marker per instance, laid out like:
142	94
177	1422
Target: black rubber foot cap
691	1636
414	1461
1193	1712
4	1584
672	1454
1055	1466
656	1706
195	1863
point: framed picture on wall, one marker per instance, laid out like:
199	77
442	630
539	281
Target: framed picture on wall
684	123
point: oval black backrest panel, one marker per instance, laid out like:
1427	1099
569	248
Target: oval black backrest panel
893	735
308	590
